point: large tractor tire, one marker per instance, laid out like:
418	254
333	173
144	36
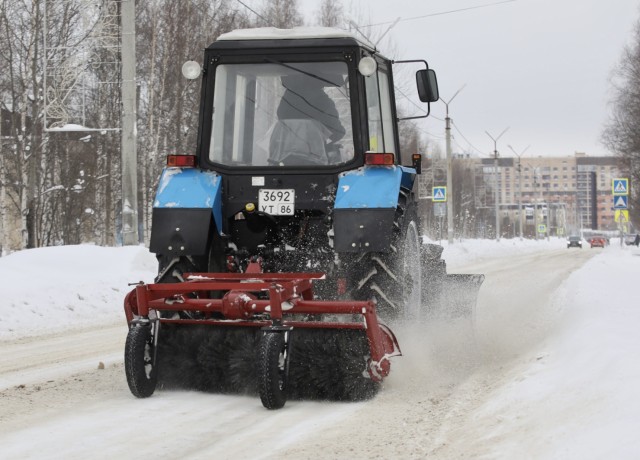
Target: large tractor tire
394	279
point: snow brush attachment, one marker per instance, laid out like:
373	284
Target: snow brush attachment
254	333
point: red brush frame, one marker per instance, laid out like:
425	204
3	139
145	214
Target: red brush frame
287	294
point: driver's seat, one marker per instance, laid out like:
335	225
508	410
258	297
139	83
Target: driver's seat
297	142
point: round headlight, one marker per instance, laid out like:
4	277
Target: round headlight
367	66
191	70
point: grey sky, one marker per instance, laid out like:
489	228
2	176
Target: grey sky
539	67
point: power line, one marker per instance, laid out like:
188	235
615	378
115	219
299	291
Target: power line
252	10
409	99
467	140
430	134
441	13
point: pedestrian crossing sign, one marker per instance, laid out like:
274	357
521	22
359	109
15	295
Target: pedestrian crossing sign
621	215
620	186
621	202
439	194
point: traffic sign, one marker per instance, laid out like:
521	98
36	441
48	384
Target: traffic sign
621	215
542	228
621	202
439	194
440	209
620	186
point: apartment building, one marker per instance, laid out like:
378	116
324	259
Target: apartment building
563	194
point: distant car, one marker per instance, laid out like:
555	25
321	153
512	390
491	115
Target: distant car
597	242
574	242
629	240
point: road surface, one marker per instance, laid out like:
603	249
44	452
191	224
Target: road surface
65	395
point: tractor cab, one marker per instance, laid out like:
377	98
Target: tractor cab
308	99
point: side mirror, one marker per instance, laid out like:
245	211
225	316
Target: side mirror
427	85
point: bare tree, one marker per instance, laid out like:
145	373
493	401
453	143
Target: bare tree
282	14
622	132
463	197
28	173
330	13
63	187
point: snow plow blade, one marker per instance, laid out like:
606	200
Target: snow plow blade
460	293
457	295
448	296
254	333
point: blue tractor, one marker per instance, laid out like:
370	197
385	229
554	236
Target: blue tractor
297	170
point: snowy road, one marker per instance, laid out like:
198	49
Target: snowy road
56	403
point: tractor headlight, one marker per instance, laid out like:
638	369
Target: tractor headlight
367	66
191	70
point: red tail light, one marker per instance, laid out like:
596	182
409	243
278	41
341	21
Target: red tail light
416	161
181	161
381	159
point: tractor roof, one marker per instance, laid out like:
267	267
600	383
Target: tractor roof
303	36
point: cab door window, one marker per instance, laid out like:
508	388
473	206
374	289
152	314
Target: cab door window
379	114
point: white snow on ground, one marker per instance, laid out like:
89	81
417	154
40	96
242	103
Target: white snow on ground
469	250
49	289
579	397
576	397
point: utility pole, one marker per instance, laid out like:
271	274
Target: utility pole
129	157
520	186
449	172
495	176
535	203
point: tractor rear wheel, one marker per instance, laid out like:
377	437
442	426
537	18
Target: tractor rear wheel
272	370
139	351
394	279
410	268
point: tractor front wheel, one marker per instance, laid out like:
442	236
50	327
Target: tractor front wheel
139	351
272	370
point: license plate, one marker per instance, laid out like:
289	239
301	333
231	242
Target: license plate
277	202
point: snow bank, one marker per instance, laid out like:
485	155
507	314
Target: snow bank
469	250
576	396
49	289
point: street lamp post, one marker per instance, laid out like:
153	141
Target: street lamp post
520	186
495	175
537	184
129	179
449	173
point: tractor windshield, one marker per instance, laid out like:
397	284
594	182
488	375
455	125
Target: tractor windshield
281	114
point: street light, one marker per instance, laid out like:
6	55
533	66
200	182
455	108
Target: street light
495	175
519	186
449	174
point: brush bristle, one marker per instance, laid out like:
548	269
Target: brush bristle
324	363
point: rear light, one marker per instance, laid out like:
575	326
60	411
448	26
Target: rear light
416	161
181	161
380	159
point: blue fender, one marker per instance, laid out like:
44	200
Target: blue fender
373	187
190	188
187	201
365	206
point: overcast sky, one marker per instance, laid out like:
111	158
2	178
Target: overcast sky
539	67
